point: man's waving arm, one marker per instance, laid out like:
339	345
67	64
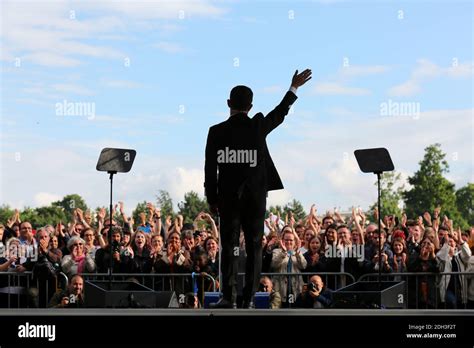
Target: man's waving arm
277	115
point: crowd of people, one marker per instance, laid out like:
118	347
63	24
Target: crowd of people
304	260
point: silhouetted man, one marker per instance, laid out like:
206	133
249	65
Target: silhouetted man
239	172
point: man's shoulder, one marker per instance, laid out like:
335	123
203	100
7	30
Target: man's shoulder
218	126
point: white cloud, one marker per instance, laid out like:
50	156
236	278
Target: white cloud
120	83
148	10
273	89
72	89
51	59
45	34
320	166
168	47
408	88
279	197
334	88
52	33
463	70
363	70
46	198
426	70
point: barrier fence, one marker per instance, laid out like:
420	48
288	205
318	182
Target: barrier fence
423	290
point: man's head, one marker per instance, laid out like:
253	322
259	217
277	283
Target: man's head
327	221
187	237
116	235
26	231
379	234
240	98
442	232
369	233
317	281
49	229
299	229
42	234
414	229
288	239
266	284
76	285
344	235
78	228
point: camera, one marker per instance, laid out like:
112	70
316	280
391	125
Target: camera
262	288
115	247
312	287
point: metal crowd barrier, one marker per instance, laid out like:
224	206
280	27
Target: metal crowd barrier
22	290
422	289
19	290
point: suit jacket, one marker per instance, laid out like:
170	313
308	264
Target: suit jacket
240	132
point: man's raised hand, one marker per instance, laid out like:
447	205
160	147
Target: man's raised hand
301	78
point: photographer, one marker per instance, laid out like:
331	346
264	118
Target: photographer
314	295
102	255
72	297
266	285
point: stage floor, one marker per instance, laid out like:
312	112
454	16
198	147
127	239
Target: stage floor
231	312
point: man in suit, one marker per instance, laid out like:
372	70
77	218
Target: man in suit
239	172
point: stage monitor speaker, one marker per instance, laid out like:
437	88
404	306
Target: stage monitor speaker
166	299
365	294
126	294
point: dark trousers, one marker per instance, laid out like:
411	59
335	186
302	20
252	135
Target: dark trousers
246	213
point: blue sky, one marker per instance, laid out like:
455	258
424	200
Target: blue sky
183	59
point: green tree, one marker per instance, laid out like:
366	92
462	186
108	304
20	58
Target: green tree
140	208
165	203
297	208
431	189
6	213
38	217
71	202
49	215
465	202
294	206
275	210
192	206
391	194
